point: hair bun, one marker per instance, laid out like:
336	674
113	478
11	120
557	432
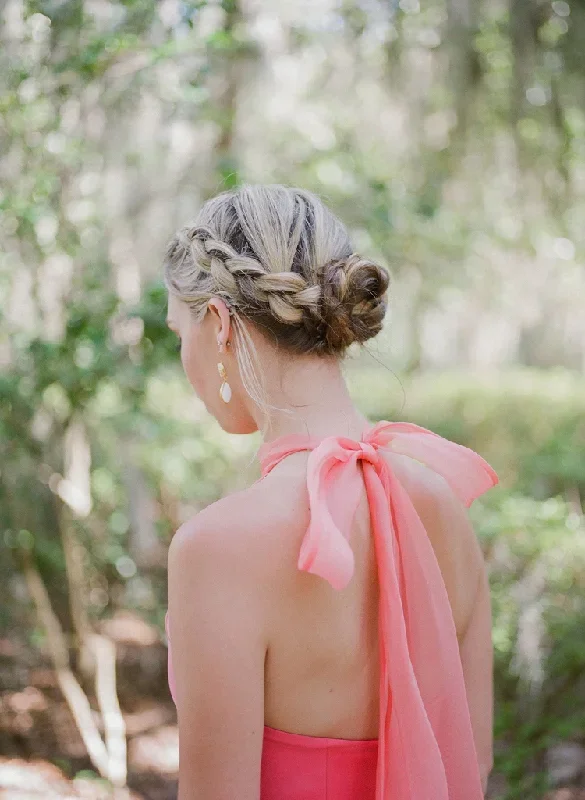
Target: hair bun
354	301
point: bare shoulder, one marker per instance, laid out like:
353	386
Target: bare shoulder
256	530
450	532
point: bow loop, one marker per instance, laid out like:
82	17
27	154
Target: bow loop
335	485
466	472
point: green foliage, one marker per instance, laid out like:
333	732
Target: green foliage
535	551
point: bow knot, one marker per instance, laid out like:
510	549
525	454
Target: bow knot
369	453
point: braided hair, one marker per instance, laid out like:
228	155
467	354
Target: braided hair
280	258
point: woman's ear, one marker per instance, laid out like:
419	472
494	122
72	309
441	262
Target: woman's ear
221	321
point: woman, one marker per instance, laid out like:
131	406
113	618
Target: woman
330	624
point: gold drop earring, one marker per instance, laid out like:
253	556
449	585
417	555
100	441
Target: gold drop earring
225	390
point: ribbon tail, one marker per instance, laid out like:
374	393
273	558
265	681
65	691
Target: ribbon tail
410	766
433	655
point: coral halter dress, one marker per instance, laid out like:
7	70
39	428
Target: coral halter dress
425	749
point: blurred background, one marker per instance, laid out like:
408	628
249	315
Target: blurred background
449	135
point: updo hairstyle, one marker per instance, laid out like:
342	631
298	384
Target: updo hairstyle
280	258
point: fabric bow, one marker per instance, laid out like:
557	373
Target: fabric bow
334	484
426	749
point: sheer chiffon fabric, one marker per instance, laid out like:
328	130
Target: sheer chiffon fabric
425	748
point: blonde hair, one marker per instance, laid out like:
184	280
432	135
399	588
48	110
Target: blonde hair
281	259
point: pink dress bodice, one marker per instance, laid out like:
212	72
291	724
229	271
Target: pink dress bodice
425	748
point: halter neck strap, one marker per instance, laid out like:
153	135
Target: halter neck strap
426	746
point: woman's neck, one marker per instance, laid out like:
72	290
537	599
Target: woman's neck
314	393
